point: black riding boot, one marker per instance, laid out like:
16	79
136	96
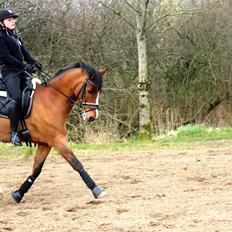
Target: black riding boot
14	117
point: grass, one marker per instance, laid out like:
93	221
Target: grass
186	137
9	151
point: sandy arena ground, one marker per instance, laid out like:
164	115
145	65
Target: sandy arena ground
147	192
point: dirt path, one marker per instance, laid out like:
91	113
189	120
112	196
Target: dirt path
147	191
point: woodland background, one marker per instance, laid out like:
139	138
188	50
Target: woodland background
189	57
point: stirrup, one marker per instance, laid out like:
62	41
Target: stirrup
14	138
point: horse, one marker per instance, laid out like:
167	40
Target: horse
78	83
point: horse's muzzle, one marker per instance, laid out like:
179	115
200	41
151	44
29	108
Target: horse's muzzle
88	118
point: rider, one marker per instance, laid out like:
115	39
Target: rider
14	61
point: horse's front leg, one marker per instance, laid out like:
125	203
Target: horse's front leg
63	148
40	157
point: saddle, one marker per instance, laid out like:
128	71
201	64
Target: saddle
27	98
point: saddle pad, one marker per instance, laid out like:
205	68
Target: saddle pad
3	93
27	99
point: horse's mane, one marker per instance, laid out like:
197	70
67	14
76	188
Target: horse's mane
94	75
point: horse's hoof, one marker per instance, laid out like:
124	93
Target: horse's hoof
16	196
99	192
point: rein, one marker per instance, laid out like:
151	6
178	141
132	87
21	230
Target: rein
73	100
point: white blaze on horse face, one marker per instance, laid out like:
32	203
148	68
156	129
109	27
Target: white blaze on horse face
97	102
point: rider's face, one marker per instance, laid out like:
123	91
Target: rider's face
10	23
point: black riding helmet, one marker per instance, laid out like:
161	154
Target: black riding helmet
4	14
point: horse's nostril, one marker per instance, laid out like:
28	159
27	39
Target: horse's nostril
90	119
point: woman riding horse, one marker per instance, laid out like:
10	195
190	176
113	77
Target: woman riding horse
14	60
79	84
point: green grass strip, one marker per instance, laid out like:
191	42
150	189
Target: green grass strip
186	137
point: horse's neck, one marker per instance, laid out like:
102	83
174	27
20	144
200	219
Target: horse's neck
67	81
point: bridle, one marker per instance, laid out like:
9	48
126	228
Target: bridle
73	99
81	93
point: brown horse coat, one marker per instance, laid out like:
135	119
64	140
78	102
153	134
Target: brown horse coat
50	110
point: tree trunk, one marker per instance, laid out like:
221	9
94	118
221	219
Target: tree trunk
140	8
145	125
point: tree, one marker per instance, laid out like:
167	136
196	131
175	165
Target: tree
188	51
140	9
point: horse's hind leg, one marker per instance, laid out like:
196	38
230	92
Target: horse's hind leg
40	157
62	146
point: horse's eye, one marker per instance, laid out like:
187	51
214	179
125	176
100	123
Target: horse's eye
91	91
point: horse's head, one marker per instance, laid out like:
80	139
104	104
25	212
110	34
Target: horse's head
86	85
88	94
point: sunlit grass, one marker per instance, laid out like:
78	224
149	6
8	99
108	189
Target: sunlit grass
187	137
8	150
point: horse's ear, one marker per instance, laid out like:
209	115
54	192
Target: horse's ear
103	71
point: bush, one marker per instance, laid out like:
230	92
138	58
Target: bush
192	131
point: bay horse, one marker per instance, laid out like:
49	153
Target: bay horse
80	84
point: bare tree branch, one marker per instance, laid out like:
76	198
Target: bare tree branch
119	14
131	6
187	12
206	109
144	12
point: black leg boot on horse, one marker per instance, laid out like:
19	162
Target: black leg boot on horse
40	157
14	116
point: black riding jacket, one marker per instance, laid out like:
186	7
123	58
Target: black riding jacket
13	54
